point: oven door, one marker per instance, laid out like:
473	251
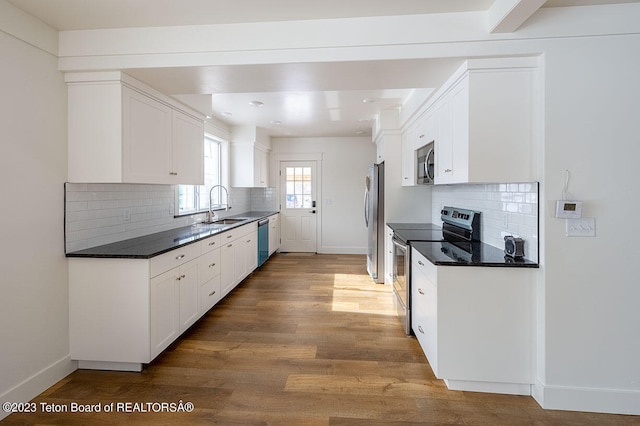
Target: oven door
401	283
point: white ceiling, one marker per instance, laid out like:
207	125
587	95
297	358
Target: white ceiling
320	99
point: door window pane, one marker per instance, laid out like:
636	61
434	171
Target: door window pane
298	187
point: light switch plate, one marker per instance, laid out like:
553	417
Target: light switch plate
583	227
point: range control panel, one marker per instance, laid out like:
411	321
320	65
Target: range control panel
463	218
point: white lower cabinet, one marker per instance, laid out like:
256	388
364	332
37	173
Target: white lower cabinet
238	256
474	325
125	312
274	233
174	304
388	255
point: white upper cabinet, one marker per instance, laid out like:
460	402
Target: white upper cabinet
483	123
250	156
414	137
124	132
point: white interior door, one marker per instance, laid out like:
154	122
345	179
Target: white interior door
298	206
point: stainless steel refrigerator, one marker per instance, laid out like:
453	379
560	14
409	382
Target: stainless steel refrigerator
374	219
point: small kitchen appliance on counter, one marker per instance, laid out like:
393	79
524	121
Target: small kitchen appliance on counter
513	246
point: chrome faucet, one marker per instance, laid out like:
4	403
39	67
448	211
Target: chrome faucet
227	206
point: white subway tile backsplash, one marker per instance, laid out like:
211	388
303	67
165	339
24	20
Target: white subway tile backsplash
507	209
97	214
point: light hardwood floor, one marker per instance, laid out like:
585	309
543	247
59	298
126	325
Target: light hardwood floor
305	340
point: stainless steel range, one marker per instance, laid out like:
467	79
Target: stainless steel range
460	227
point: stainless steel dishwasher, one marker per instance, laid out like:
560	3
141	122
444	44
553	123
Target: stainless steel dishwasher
263	241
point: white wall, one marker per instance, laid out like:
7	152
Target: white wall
34	348
590	343
345	163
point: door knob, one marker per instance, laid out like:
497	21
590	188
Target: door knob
313	211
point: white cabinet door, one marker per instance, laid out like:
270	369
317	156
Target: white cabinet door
262	166
146	139
484	128
228	268
251	252
129	133
249	166
188	149
274	233
240	260
188	293
388	256
165	321
459	147
443	144
174	304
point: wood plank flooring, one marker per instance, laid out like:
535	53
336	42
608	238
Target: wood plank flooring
305	340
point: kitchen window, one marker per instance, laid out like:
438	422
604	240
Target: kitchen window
195	198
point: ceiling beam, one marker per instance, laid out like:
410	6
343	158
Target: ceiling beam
506	16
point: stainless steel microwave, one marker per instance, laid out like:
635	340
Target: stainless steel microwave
426	164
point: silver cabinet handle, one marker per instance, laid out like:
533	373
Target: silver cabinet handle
212	265
180	257
212	243
212	293
447	170
173	173
420	263
229	236
420	291
181	277
248	241
230	245
420	329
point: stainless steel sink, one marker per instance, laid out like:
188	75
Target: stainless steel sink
227	221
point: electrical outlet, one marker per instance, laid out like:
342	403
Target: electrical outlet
584	227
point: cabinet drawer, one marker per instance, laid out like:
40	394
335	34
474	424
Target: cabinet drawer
209	244
234	234
419	264
170	260
210	294
209	265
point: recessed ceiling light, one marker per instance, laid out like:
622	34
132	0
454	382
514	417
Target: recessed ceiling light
368	100
256	104
276	122
226	113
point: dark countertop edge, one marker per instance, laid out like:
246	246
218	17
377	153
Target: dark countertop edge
254	216
531	265
523	263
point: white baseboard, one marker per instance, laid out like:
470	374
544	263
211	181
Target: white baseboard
612	401
342	250
39	382
489	387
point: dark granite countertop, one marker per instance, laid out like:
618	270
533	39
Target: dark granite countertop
468	254
148	246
